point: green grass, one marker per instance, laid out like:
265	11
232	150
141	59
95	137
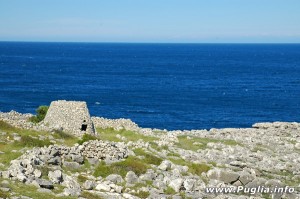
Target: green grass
197	169
45	170
86	137
188	144
28	141
30	191
9	129
84	167
68	139
148	158
41	112
130	164
169	191
8	146
62	135
82	178
4	194
109	134
89	195
142	194
9	155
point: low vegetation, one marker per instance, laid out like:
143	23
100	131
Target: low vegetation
21	189
148	158
86	137
110	134
196	143
134	164
28	141
41	112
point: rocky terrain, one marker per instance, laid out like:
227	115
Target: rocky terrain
124	160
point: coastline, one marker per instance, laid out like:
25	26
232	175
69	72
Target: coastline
265	155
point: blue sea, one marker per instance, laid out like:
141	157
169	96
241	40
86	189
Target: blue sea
166	86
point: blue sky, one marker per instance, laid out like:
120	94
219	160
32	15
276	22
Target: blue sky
208	21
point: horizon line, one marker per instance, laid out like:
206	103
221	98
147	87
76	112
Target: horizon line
137	42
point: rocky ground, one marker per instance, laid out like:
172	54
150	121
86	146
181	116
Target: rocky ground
126	161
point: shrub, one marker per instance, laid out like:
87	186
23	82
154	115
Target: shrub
41	112
85	138
198	169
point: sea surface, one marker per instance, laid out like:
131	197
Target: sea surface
166	86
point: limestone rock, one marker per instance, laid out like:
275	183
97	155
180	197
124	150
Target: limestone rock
176	184
222	175
131	177
71	116
55	176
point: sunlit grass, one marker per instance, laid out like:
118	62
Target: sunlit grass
130	164
201	143
109	134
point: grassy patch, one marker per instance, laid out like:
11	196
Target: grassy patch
62	135
31	191
67	138
142	194
188	144
110	135
173	154
197	169
89	195
169	191
9	129
4	194
86	137
8	154
82	178
148	158
130	164
28	141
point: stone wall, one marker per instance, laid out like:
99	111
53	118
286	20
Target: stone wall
70	116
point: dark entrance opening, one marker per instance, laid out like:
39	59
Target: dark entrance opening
83	126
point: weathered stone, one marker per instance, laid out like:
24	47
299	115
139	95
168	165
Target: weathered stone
115	178
176	184
71	116
37	173
189	184
88	185
43	183
165	165
131	177
103	187
224	176
72	165
55	176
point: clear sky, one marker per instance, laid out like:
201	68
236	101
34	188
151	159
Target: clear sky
217	21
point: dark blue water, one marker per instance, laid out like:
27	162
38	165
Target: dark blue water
173	86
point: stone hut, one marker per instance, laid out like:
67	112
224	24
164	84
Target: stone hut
70	116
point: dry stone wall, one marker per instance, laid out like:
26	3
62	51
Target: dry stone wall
70	116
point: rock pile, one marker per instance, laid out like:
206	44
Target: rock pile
117	124
29	167
108	151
